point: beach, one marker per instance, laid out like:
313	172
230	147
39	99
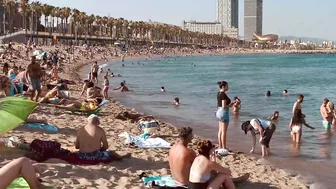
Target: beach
124	174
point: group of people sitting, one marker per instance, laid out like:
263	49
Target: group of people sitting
199	171
91	143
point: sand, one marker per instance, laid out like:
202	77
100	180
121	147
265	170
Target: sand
124	174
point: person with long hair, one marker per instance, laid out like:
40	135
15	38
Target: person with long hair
223	113
296	125
204	163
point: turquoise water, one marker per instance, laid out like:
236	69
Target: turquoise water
249	77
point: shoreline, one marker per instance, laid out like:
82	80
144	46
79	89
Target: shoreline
152	161
258	162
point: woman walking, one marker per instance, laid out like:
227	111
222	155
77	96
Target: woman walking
296	125
223	113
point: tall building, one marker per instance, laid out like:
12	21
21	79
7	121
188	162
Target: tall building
227	13
252	18
203	27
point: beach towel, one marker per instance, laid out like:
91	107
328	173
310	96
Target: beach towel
144	143
19	183
162	181
46	127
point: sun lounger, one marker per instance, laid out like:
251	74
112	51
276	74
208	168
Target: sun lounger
88	112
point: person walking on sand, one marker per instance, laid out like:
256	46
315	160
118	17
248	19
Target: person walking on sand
265	129
94	72
297	104
295	125
33	75
327	116
106	85
223	114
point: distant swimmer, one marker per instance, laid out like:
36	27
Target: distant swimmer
101	70
176	101
295	125
268	93
108	73
119	75
285	92
163	89
236	105
112	74
274	117
297	104
122	87
123	65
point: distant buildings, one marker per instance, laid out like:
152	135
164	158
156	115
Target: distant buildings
203	27
226	24
252	18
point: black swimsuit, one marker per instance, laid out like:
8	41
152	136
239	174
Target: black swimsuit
198	185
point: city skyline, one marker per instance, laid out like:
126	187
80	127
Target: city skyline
299	18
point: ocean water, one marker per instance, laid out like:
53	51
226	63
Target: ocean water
249	77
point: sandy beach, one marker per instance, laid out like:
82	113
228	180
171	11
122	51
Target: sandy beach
124	174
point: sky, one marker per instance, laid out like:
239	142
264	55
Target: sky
300	18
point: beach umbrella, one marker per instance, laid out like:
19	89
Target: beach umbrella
13	112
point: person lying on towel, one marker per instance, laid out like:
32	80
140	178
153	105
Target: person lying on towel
92	143
181	158
87	105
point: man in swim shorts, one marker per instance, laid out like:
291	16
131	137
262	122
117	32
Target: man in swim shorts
297	104
94	72
326	116
92	143
33	75
181	158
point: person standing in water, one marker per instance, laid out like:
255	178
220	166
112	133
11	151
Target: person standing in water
297	104
296	125
223	113
265	129
94	72
106	85
327	117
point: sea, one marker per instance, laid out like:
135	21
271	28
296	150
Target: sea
193	79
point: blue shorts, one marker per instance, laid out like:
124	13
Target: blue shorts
223	115
36	84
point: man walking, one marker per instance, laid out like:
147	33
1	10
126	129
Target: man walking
33	75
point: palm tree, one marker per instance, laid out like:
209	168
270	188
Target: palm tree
46	11
24	6
53	15
36	8
10	8
66	15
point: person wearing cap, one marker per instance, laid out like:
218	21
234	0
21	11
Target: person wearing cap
265	129
92	142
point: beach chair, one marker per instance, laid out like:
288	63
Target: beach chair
89	112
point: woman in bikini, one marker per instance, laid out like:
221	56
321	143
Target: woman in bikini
296	125
203	165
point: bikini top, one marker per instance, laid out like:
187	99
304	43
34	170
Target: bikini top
203	178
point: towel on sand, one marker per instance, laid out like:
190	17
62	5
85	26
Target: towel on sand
19	183
163	181
144	143
46	127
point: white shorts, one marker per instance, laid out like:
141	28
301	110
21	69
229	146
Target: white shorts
295	129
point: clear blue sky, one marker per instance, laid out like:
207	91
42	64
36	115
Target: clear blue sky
302	18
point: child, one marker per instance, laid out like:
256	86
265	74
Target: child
106	87
296	125
176	101
236	105
274	117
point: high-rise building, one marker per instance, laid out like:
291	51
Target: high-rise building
252	18
227	13
203	27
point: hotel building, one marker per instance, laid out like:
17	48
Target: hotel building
252	18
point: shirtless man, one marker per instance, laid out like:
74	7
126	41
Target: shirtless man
181	158
326	117
94	72
33	75
92	139
297	104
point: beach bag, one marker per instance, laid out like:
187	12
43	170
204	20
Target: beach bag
43	150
